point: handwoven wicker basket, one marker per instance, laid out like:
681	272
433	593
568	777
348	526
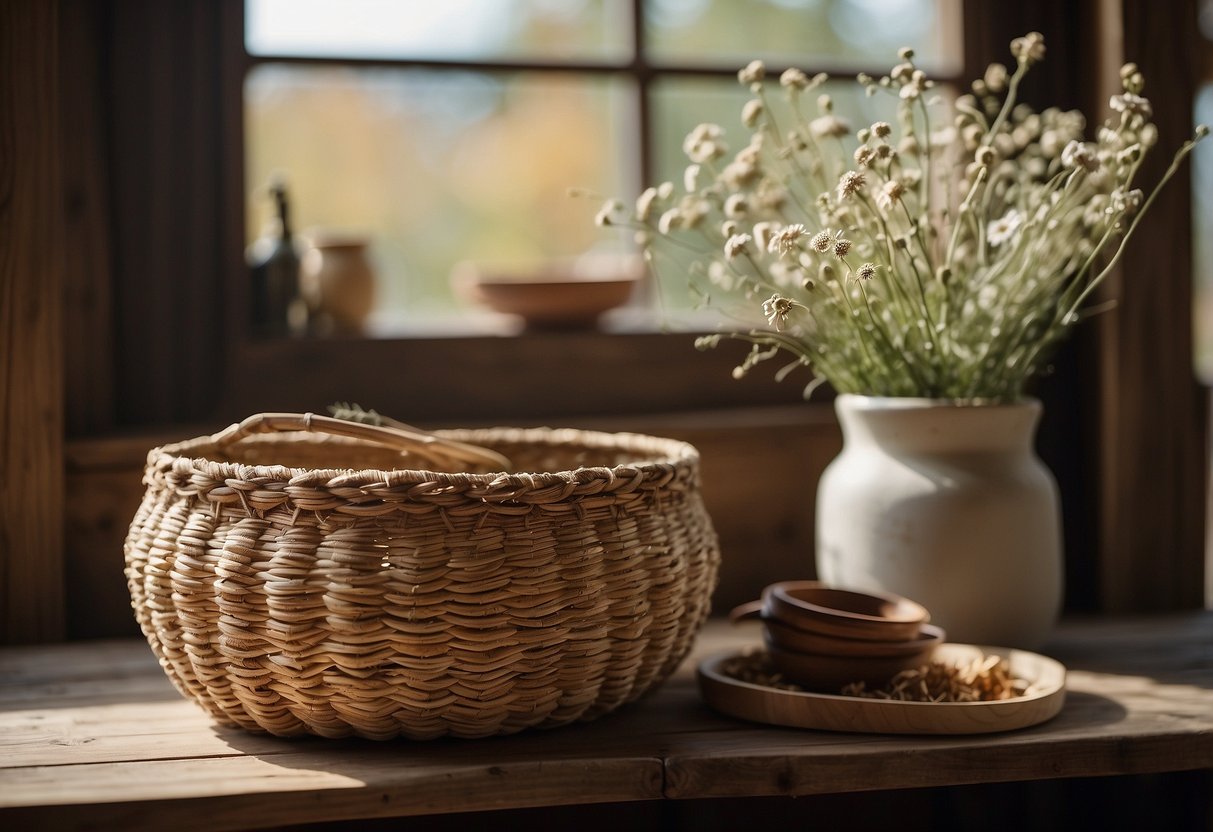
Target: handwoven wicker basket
307	582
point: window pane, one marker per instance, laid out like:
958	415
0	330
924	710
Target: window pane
818	32
1202	237
452	29
437	167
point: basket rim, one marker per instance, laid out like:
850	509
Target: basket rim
666	457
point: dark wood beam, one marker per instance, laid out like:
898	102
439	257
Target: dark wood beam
31	346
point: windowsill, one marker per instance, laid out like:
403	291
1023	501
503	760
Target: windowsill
547	375
103	738
479	323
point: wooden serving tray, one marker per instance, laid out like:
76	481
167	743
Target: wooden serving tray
800	709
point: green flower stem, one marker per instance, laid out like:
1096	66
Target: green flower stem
1008	103
1099	278
878	328
926	168
966	206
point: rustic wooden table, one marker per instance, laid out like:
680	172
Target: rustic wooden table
93	734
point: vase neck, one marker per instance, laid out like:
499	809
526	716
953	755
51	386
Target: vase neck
923	426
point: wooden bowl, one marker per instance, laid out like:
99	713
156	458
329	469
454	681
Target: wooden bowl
554	297
813	607
786	637
829	674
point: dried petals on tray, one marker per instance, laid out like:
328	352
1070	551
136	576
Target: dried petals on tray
986	679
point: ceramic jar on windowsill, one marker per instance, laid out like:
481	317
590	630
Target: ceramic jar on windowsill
339	283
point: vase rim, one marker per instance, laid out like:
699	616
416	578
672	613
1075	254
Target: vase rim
922	402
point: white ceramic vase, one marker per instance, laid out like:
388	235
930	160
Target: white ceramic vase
946	504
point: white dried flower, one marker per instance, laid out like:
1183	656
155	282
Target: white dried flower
763	234
1004	228
996	78
736	206
1125	202
850	183
1030	48
1080	155
752	73
669	221
866	272
829	126
890	194
644	203
751	112
690	177
794	80
821	242
693	209
704	143
785	240
738	174
1132	104
777	308
1011	214
736	245
607	212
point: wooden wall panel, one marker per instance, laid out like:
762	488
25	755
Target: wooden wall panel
1155	455
31	349
87	330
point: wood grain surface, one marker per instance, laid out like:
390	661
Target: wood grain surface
31	310
93	733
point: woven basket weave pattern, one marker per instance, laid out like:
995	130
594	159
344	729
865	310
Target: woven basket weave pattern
410	603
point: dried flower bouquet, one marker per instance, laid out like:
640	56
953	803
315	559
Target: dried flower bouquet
942	258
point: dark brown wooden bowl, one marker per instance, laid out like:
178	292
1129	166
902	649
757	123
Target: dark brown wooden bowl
786	637
813	607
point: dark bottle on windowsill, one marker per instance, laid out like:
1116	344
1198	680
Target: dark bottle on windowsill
278	308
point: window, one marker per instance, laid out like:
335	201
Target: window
1202	211
453	131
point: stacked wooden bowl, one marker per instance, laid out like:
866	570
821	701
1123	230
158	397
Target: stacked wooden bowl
823	638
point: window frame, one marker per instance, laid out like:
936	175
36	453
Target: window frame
675	378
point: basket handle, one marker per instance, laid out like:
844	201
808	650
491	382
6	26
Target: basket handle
409	441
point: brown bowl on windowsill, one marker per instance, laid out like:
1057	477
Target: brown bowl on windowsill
558	295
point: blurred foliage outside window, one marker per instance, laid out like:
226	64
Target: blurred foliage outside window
441	164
